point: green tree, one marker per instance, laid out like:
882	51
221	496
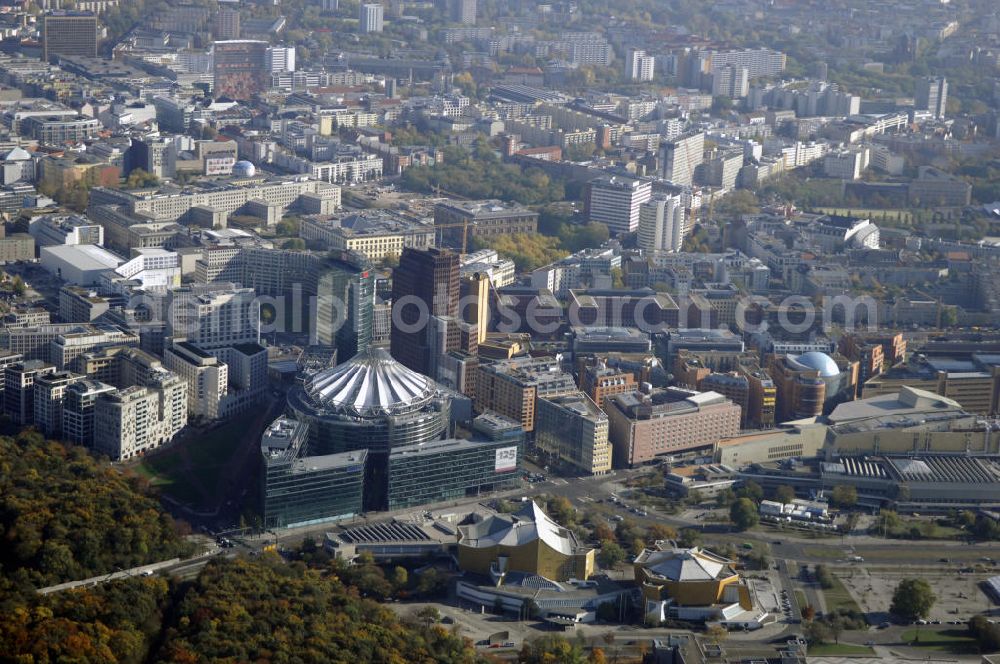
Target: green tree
716	633
739	202
986	634
400	577
551	649
610	555
607	612
784	494
844	496
574	237
752	491
817	632
912	599
888	521
824	577
743	514
659	531
690	537
139	179
429	615
18	286
528	250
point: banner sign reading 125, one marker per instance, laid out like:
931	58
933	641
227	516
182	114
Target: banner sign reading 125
506	459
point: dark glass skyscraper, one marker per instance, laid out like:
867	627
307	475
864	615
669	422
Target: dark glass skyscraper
345	302
424	285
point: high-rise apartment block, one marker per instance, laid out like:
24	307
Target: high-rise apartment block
662	223
371	17
226	26
616	201
50	393
240	68
19	389
639	66
211	316
78	407
759	62
280	59
731	81
931	94
69	33
148	412
680	157
462	11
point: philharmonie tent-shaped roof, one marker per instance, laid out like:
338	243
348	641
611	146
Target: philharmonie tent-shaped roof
527	541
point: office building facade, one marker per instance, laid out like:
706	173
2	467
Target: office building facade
450	469
298	489
240	68
69	33
616	201
574	431
424	284
373	403
645	426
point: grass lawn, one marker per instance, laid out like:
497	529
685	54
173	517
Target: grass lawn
837	597
944	640
839	650
800	599
824	552
208	454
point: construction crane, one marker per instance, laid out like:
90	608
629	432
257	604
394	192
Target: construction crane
464	225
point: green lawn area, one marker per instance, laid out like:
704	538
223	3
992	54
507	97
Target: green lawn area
944	640
824	552
839	650
165	472
800	599
208	454
837	597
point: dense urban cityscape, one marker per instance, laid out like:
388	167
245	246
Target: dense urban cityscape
500	331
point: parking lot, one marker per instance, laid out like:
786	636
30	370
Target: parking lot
959	596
